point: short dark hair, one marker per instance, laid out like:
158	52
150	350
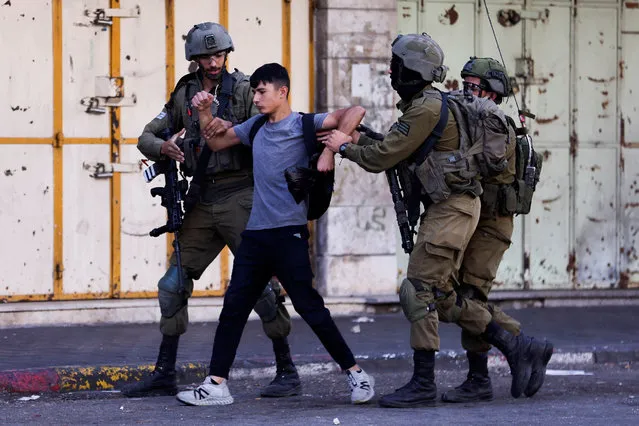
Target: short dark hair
271	73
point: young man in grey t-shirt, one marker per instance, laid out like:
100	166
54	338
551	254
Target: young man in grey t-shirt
275	241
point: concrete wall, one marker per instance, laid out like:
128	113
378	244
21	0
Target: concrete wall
356	248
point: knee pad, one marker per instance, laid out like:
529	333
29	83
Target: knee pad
266	306
449	306
171	300
416	299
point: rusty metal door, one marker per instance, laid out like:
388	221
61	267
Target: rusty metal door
569	60
77	94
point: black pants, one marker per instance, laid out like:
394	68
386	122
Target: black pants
282	252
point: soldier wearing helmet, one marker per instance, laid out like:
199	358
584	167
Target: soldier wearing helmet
428	294
487	78
217	206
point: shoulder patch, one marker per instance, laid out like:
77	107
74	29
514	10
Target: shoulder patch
161	115
403	127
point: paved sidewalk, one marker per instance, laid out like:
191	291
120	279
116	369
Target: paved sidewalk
61	359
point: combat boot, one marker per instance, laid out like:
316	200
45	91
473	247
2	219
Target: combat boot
421	389
286	381
543	353
523	353
477	386
162	381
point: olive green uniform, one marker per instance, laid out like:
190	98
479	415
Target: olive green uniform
222	212
445	230
485	250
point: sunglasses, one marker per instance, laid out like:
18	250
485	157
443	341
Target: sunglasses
472	87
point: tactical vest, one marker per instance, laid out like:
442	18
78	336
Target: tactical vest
231	159
483	135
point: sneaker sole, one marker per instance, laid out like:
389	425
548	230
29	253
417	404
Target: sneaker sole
295	391
204	402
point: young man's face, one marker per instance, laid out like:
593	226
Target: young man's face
473	84
268	97
211	65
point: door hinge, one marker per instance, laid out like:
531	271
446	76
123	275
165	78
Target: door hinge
106	170
109	92
57	140
104	17
510	17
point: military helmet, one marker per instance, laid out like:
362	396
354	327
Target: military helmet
422	54
207	38
492	73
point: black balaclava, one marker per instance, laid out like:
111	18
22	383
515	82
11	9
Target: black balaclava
405	81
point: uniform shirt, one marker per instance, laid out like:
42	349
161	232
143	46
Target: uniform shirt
276	147
419	117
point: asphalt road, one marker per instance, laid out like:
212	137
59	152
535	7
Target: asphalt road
607	394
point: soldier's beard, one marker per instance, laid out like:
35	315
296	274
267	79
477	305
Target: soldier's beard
407	91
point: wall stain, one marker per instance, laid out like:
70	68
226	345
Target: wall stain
547	120
452	84
451	14
601	80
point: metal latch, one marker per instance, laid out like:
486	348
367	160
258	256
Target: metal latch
104	17
109	92
510	17
106	170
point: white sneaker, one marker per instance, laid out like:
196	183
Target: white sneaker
361	386
208	393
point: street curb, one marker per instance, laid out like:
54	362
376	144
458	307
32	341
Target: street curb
104	378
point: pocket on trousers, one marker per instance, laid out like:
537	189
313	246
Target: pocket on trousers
246	203
445	252
449	225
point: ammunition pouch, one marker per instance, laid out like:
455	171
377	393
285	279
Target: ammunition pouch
506	200
431	175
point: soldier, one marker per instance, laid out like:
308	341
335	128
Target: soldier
450	192
221	209
487	78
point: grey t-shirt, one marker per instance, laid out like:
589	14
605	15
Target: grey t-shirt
276	147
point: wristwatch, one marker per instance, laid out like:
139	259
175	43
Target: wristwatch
342	148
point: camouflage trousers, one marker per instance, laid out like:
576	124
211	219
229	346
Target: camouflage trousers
479	267
444	233
207	229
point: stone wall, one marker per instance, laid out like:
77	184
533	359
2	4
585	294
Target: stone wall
356	239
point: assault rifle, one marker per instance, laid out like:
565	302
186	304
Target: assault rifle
172	196
406	229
